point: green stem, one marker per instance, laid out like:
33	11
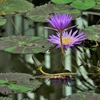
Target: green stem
62	50
64	74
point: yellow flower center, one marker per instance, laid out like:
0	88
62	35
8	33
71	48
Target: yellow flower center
67	40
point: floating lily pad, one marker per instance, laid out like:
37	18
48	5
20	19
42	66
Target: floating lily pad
83	4
14	6
93	32
17	83
2	21
24	44
39	14
83	96
61	1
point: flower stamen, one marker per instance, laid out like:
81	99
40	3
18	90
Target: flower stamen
67	40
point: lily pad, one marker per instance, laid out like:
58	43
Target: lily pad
2	21
17	83
93	32
83	96
83	4
24	44
14	6
39	14
61	1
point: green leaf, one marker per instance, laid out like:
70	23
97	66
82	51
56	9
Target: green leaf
17	83
39	14
62	1
2	21
10	49
24	44
83	5
14	6
93	32
19	87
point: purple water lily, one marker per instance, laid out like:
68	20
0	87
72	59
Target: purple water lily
59	22
70	39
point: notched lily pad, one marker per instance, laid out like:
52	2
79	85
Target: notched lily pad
39	14
14	6
61	1
93	32
24	44
17	83
83	4
2	21
83	96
